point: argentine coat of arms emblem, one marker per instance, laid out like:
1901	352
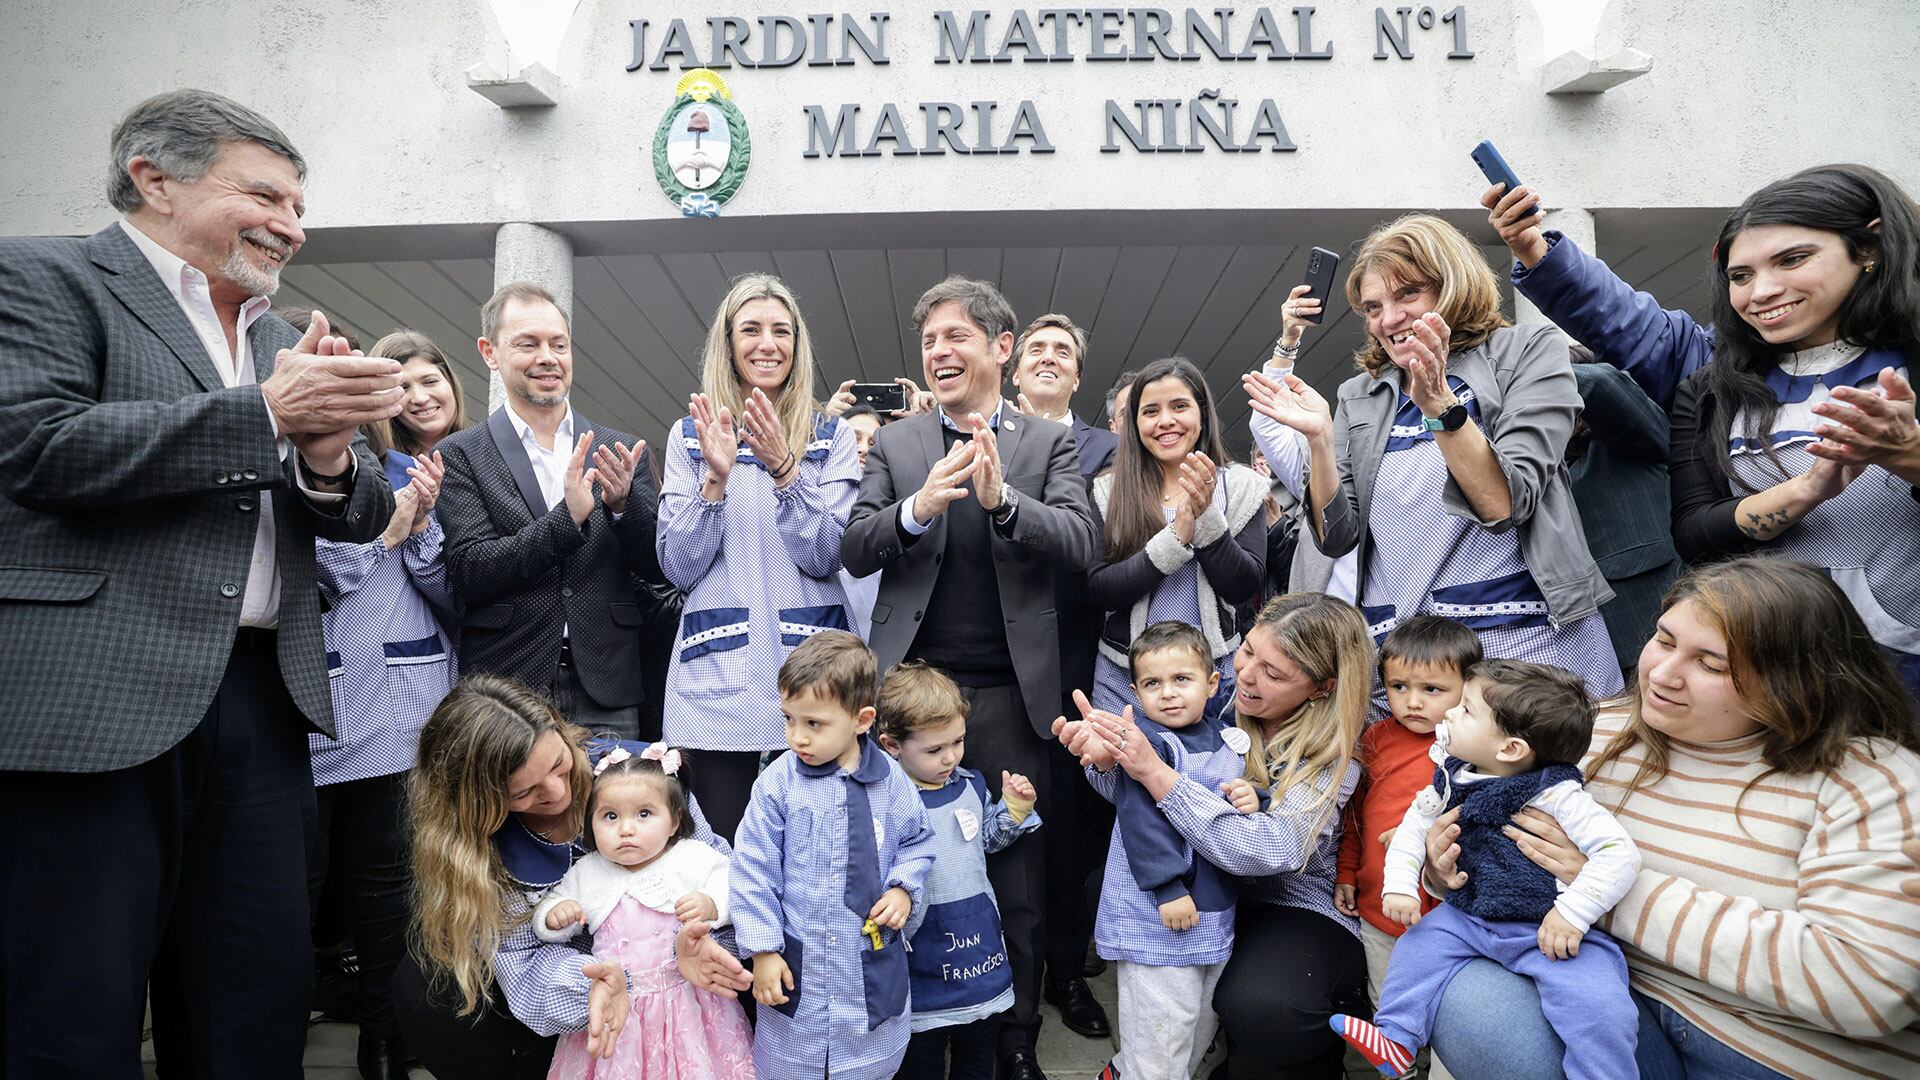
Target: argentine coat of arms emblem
701	149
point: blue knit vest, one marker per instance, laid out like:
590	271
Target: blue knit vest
1503	885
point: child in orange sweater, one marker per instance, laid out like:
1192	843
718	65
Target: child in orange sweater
1423	665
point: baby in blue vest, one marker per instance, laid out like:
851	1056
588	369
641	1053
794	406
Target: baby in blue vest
1513	742
956	955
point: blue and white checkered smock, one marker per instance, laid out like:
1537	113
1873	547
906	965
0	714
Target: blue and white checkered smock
1278	860
789	880
390	659
957	955
1424	560
1867	538
761	569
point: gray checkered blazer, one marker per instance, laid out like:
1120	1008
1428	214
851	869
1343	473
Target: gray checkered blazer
129	481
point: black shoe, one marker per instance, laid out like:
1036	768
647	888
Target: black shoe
1081	1013
1022	1065
382	1059
1093	966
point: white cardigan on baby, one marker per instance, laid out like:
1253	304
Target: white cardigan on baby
597	883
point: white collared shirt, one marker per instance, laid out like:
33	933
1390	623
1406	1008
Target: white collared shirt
260	605
549	466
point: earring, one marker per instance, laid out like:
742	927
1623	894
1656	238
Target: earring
1868	269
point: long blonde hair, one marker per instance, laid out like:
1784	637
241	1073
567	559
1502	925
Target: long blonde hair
1328	639
720	378
457	794
1420	249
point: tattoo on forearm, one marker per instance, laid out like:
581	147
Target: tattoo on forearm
1766	526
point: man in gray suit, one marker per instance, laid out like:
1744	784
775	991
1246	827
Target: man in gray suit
168	452
967	511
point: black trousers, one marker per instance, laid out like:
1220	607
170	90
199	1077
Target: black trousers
360	854
579	707
190	871
722	781
1075	837
489	1045
1000	737
1290	971
972	1046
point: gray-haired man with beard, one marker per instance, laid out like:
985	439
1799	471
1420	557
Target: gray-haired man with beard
169	450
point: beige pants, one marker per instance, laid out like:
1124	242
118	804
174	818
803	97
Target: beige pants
1378	945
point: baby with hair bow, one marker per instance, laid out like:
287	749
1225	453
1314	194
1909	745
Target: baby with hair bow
644	876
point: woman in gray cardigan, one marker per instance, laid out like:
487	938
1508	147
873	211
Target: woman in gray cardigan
1445	467
1183	532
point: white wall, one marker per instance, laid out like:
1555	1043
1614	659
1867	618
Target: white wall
373	93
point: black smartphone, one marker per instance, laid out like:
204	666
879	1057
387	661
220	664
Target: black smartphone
1322	267
1497	171
882	397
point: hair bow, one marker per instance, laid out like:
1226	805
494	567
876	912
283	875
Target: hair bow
614	757
669	759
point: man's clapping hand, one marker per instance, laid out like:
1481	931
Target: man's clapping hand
321	391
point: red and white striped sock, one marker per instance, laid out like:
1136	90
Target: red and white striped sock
1382	1053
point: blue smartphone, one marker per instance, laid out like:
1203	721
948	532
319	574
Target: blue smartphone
1497	171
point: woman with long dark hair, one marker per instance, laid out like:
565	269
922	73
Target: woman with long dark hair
1445	467
435	407
1184	534
1793	414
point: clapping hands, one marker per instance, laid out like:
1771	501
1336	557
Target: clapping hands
1289	401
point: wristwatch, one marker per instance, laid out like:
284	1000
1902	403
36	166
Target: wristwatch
1009	498
1451	420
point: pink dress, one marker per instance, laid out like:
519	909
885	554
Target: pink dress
675	1032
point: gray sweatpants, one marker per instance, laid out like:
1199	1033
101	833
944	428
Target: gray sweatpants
1166	1019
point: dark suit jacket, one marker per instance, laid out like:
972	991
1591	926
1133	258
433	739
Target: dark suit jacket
1096	447
130	481
1053	528
1079	616
1620	484
524	569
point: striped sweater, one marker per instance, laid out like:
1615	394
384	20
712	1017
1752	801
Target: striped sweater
1782	933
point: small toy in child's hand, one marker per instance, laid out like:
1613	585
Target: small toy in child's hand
872	930
891	909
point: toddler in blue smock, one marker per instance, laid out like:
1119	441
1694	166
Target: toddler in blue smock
831	859
1166	914
957	956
